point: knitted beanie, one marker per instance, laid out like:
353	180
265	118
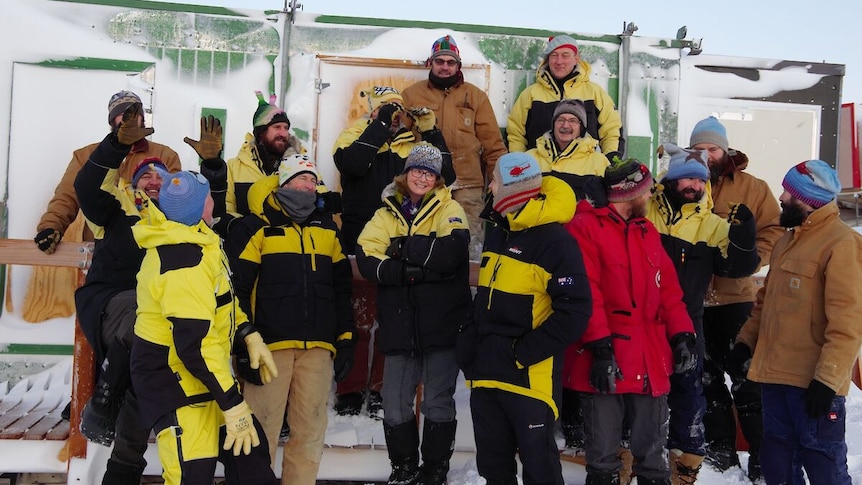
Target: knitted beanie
813	182
119	103
182	197
424	156
445	46
147	164
709	130
518	178
571	106
380	95
293	165
686	163
267	113
558	42
627	180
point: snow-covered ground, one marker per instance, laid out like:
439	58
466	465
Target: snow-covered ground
355	444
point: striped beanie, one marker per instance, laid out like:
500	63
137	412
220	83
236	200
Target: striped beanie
445	46
627	180
519	179
380	95
709	130
147	164
813	182
425	156
119	103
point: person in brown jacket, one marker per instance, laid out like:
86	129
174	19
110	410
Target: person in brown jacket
729	301
466	118
804	332
63	207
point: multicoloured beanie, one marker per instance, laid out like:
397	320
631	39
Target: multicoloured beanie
627	180
445	46
380	95
686	163
267	113
293	165
182	197
147	164
425	156
558	42
709	130
119	103
813	182
519	179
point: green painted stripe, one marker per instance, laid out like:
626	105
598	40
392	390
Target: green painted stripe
38	349
170	7
97	63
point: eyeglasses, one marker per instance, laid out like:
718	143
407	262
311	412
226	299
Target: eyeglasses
567	121
423	174
445	62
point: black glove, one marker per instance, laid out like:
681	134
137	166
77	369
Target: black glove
210	144
396	247
329	202
684	352
344	350
215	170
818	399
130	130
387	113
738	361
604	373
739	214
243	367
47	240
413	274
612	155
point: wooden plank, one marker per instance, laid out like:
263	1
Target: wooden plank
42	428
24	252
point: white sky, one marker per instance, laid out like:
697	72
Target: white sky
798	30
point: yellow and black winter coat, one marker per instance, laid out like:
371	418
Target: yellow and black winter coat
294	279
533	300
187	319
580	164
424	313
532	112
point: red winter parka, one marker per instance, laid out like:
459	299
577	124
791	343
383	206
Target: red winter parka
637	300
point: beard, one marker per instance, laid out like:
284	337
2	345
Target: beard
792	215
639	207
678	198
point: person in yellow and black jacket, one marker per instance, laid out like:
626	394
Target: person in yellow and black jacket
700	244
292	275
415	249
562	74
188	321
532	301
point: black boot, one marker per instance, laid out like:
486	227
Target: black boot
119	474
349	404
751	423
572	419
99	418
402	444
438	443
721	455
604	479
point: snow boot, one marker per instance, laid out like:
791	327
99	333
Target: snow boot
349	404
721	455
99	418
375	405
572	419
684	467
754	472
603	479
120	474
402	444
438	443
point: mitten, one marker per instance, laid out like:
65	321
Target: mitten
604	372
47	240
738	361
329	202
739	214
818	399
413	274
396	247
344	352
210	144
387	113
241	434
684	352
130	130
259	357
425	118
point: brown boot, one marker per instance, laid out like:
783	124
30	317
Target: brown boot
683	467
626	470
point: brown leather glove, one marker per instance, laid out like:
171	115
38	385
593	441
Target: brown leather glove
130	130
210	144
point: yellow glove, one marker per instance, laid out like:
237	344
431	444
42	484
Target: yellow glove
210	144
131	129
259	357
425	118
241	434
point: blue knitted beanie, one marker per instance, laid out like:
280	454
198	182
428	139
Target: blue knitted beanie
709	130
182	197
813	182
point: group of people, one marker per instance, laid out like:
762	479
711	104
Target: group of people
609	304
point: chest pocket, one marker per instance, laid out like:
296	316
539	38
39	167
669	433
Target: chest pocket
798	281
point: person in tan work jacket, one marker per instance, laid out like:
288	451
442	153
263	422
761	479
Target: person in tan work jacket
804	332
63	207
469	125
729	301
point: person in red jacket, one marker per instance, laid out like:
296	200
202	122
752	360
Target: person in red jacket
639	332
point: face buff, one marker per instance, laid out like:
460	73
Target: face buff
299	204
